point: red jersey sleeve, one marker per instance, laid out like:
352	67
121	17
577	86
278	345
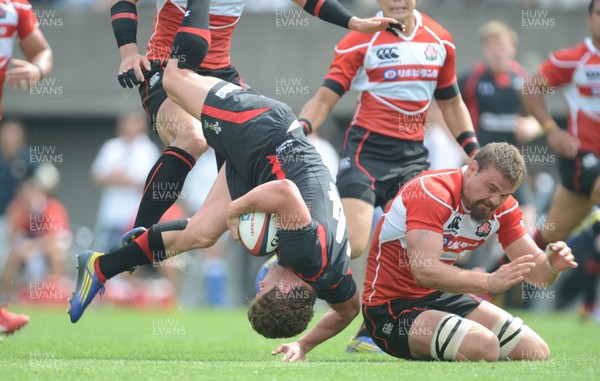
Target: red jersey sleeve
511	223
27	20
56	217
349	57
447	76
559	68
422	210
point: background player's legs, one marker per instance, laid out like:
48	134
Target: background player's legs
182	134
186	88
207	225
567	210
360	219
523	345
474	341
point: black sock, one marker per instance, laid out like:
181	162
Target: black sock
147	248
192	40
163	185
121	260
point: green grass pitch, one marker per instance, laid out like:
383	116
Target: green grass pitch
118	344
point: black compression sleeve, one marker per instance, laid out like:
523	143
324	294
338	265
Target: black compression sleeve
124	22
330	11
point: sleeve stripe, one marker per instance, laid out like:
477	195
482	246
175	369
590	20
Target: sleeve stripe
124	15
334	86
508	210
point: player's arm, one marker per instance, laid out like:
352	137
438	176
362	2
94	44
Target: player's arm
281	197
533	98
548	265
424	250
38	63
123	15
333	322
333	12
457	118
315	111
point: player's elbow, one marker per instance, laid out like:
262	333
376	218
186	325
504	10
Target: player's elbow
423	276
286	189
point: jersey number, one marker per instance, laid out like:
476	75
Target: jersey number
338	213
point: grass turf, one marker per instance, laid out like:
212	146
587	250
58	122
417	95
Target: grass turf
220	345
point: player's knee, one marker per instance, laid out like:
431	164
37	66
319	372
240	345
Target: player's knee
481	345
537	352
191	142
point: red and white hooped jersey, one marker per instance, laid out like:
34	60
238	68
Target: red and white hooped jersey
16	18
578	68
431	201
224	16
395	75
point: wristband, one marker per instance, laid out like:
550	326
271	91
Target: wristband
548	263
41	71
124	22
307	127
330	11
468	141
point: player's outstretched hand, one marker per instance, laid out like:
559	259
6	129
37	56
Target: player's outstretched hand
373	24
131	70
563	143
22	74
560	256
291	352
510	274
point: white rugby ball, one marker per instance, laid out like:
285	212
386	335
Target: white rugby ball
258	233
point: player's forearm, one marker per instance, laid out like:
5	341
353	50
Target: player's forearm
540	276
43	60
318	107
330	325
124	23
457	118
535	103
443	277
330	11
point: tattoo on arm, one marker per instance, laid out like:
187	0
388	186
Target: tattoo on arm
422	236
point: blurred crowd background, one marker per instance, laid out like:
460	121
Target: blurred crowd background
76	149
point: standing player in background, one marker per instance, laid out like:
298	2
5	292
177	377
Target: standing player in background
397	74
18	19
577	69
491	90
181	132
416	304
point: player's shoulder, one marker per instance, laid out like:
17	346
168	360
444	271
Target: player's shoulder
570	54
21	4
509	206
354	41
442	186
436	29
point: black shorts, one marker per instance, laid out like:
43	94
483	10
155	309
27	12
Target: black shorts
580	174
373	167
246	129
390	323
153	93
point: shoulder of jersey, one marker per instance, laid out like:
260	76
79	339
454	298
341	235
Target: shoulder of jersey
572	53
354	39
508	206
22	4
443	184
436	28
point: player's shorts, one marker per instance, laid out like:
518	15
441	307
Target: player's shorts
246	129
579	174
373	167
153	93
390	323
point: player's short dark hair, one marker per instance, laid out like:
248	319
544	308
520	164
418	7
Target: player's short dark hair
279	315
591	7
505	158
